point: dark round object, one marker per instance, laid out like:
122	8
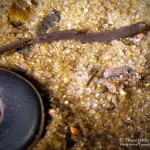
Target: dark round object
22	113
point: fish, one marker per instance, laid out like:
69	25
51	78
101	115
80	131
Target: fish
117	71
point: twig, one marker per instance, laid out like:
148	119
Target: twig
106	36
14	45
91	78
55	36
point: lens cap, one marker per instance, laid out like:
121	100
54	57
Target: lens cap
21	112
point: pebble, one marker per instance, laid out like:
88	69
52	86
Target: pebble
20	12
74	130
140	36
49	21
92	112
112	87
142	71
112	147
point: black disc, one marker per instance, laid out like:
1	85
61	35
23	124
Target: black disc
21	112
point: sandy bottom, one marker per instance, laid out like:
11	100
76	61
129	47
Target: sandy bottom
109	113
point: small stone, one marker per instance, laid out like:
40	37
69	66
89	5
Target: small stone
141	36
112	87
91	112
66	102
111	147
74	130
142	71
87	104
48	21
20	11
122	92
101	89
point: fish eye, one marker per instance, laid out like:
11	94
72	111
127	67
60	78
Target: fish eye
129	70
